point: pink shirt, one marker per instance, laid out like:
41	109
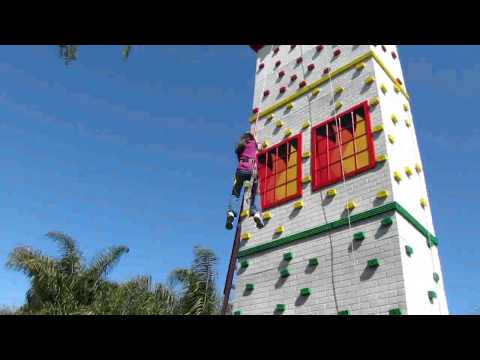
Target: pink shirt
249	153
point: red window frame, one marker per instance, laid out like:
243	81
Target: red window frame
318	158
264	172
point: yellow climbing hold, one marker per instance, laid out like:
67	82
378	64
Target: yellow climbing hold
290	106
394	118
378	128
279	230
245	213
338	105
382	158
351	205
405	107
316	92
423	202
384	89
418	168
408	123
266	144
287	132
247	236
332	192
267	215
369	80
307	179
306	155
396	88
279	124
375	101
270	117
360	66
391	138
383	194
306	125
339	90
299	204
408	171
397	176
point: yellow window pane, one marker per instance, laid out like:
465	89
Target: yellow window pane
360	128
291	188
292	174
281	178
363	159
292	161
361	143
348	150
280	192
349	165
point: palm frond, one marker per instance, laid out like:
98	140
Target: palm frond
71	259
104	262
31	262
126	51
68	53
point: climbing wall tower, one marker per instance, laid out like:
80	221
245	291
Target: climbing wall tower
348	223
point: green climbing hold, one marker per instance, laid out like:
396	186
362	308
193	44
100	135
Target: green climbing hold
359	236
288	256
285	273
408	250
436	277
249	287
374	263
238	312
345	312
432	295
313	262
280	308
387	221
244	264
397	311
305	292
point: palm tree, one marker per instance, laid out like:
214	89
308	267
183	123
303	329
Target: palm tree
69	53
64	285
198	293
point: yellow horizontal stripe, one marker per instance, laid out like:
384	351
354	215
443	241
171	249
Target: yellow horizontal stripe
317	83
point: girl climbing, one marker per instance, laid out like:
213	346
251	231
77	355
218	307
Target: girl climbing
246	151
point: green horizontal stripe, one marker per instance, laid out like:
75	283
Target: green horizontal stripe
393	206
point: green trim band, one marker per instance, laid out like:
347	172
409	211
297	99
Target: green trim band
393	206
317	83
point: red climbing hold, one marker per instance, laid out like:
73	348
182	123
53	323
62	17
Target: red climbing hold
281	74
311	67
278	63
294	77
303	83
299	60
256	110
337	52
326	71
266	93
319	48
283	89
261	66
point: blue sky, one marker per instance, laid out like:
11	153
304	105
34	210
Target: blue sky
140	153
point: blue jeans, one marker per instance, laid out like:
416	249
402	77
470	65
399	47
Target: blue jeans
234	204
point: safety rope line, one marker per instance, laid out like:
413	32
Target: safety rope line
344	180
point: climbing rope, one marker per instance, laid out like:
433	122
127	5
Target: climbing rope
337	123
344	180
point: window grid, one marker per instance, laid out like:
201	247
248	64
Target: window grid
280	172
350	148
